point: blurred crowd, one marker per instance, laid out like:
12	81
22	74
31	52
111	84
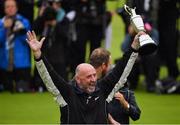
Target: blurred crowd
69	25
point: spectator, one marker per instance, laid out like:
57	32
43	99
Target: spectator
55	45
25	8
91	21
15	62
56	4
167	22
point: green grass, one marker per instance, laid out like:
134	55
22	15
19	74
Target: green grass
28	108
39	108
158	109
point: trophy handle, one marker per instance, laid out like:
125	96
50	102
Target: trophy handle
127	9
147	45
130	11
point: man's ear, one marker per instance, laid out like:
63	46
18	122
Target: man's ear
104	66
77	79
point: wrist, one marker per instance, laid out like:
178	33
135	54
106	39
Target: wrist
126	105
135	46
37	54
134	50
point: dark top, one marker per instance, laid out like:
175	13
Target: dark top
119	113
84	108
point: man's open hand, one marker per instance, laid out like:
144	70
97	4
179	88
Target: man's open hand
34	44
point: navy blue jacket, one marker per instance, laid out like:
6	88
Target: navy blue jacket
119	113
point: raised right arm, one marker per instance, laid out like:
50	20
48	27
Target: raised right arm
46	71
49	82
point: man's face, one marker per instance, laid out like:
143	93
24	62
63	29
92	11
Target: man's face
56	5
87	79
10	8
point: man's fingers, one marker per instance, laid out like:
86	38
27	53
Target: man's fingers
27	41
34	34
42	40
28	38
117	98
141	33
29	35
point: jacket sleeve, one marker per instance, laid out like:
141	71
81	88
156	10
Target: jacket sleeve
51	79
123	78
134	111
25	26
108	82
2	33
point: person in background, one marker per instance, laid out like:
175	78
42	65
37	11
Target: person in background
168	17
25	8
55	47
91	22
15	58
57	5
100	58
124	103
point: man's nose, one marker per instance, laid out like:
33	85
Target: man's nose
93	78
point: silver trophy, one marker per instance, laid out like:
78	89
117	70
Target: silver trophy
147	45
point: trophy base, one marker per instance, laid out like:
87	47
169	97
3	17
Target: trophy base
147	45
147	49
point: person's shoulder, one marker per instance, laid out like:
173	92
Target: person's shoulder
21	17
1	21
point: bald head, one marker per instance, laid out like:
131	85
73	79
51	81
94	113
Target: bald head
83	68
86	77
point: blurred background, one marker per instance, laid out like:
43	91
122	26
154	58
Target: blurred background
73	28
